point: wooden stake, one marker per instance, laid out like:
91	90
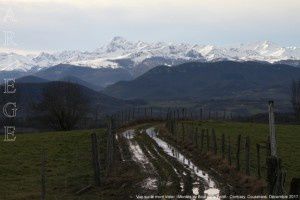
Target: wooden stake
183	133
275	176
214	139
196	135
95	159
258	160
207	140
229	151
223	145
272	129
43	175
247	155
202	140
238	152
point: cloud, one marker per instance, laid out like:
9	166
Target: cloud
81	23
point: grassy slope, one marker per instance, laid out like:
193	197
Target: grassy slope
288	140
68	165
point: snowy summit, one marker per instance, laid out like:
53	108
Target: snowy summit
119	50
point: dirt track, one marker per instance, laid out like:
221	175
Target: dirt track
167	171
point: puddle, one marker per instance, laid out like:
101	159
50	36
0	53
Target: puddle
129	134
150	183
139	157
211	190
137	153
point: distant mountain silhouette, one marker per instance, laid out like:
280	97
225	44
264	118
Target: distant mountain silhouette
204	81
31	79
96	78
73	79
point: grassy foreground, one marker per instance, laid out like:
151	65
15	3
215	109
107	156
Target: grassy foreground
68	167
288	141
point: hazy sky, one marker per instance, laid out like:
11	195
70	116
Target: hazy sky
87	24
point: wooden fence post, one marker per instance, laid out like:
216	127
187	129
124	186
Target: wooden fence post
129	115
275	176
202	140
174	114
43	175
109	145
214	139
273	145
177	133
196	136
207	140
183	133
133	113
268	147
238	152
223	145
247	155
122	118
95	159
229	151
258	160
114	132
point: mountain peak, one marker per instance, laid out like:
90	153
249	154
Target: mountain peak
118	43
266	44
118	38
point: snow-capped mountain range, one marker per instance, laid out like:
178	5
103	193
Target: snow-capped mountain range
121	53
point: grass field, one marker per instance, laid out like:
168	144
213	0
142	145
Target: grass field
288	141
68	167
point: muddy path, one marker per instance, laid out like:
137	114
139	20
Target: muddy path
167	171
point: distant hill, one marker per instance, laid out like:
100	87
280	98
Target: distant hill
73	79
96	78
31	79
205	81
30	94
11	74
69	79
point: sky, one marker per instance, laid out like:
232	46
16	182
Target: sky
56	25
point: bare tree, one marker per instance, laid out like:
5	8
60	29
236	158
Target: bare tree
295	98
64	104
